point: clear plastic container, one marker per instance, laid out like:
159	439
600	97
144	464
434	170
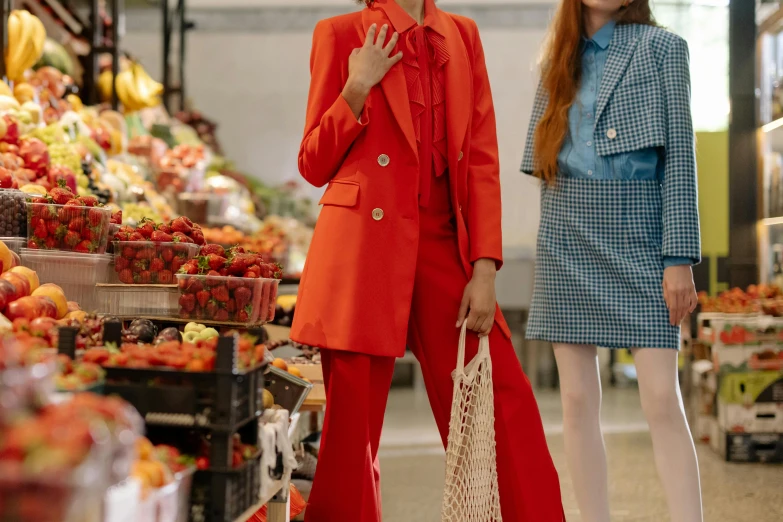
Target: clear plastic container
62	227
145	262
121	300
15	244
76	274
230	300
13	216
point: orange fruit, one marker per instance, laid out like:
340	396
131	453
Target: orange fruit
295	372
280	363
144	448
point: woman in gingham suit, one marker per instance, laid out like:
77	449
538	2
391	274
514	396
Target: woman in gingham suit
611	139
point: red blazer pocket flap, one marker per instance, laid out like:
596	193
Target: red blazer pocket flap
341	194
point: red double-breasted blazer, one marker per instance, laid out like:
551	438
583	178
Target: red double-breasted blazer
357	284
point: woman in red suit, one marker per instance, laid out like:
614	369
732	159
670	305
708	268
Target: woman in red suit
401	127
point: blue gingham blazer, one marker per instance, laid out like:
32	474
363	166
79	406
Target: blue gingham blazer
644	101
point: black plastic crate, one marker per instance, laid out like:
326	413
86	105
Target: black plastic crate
224	495
224	399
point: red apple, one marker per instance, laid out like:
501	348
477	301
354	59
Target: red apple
48	307
6	179
21	285
12	130
7	292
28	307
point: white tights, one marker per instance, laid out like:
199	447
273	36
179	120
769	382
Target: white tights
675	455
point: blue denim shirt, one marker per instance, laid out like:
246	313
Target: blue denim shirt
577	157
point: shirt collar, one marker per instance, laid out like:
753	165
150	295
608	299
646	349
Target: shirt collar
603	36
402	21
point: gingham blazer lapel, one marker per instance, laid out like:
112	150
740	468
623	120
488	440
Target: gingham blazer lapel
621	51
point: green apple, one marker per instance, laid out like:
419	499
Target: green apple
194	327
208	333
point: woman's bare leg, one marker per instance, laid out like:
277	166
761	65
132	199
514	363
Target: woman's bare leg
580	392
675	455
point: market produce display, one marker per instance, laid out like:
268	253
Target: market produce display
77	375
767	299
135	88
26	37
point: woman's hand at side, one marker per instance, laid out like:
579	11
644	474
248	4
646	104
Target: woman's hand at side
478	300
679	292
368	65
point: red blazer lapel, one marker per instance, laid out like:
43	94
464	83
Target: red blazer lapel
459	91
393	84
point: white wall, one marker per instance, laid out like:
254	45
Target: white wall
254	84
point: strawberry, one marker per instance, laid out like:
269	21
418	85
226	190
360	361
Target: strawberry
191	267
222	315
140	265
91	234
61	195
192	285
156	265
179	237
165	277
145	253
74	202
181	225
40	231
203	298
234	283
33	244
211	309
176	263
160	237
145	277
96	217
90	201
165	228
72	238
85	247
50	243
215	261
223	272
126	276
231	306
146	228
242	296
243	315
213	249
120	264
135	236
76	225
198	237
116	217
167	254
129	252
220	293
251	274
52	227
187	302
213	278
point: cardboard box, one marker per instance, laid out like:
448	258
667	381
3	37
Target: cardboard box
315	374
749	447
748	388
762	417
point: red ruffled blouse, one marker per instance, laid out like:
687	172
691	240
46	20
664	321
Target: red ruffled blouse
424	56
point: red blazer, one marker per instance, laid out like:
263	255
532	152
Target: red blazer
357	284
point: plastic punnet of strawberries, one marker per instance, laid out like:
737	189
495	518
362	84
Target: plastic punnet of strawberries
152	253
62	220
228	286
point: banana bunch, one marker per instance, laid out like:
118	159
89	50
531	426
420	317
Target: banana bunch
135	88
26	37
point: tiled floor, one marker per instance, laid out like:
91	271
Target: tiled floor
412	467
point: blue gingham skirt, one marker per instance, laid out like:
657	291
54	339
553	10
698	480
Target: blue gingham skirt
599	266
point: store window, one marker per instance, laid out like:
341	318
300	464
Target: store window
705	26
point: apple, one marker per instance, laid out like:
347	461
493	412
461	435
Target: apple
21	284
28	307
11	135
35	155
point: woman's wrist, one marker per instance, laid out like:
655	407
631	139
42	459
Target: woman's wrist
355	94
485	268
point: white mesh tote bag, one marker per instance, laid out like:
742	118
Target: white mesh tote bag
471	491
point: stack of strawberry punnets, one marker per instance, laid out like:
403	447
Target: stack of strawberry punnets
63	221
152	254
228	286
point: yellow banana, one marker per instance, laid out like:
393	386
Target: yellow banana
105	84
15	45
154	88
24	56
126	91
39	37
144	85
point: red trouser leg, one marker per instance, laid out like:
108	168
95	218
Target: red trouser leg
528	482
347	484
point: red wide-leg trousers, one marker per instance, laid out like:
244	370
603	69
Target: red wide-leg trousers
347	479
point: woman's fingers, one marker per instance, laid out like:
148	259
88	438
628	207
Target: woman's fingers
370	40
486	327
381	37
392	44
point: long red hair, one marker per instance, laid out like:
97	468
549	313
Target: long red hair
560	75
